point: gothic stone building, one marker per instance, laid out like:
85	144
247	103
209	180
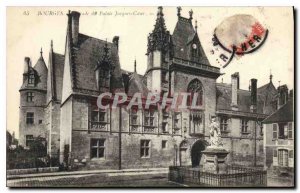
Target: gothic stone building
59	103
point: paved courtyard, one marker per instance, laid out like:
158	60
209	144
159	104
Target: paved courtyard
146	179
125	179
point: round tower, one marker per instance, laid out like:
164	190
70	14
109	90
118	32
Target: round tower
32	101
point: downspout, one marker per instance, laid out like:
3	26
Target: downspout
120	138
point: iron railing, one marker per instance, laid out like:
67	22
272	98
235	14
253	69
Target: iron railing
236	176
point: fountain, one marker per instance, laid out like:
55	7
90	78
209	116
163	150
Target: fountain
215	155
215	171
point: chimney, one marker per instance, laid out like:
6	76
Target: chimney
75	26
26	65
283	95
253	95
116	41
234	90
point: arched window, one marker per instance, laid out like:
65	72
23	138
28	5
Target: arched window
195	89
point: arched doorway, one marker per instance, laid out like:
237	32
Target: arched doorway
183	153
196	150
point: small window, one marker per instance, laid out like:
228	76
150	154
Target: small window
224	124
275	131
40	121
97	148
149	118
29	139
145	148
164	144
283	157
98	115
290	131
244	125
134	117
30	96
29	118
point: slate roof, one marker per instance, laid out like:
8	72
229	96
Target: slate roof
269	93
283	114
86	56
136	84
244	99
182	37
41	72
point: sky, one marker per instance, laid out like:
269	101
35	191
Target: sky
30	28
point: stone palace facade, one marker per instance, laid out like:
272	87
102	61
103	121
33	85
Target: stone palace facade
58	102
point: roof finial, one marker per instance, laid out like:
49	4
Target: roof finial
41	52
106	47
196	25
160	11
279	82
271	76
135	64
191	14
178	11
51	45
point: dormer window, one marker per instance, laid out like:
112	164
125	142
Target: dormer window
31	79
195	54
104	78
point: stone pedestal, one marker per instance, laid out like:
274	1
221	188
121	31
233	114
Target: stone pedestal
214	160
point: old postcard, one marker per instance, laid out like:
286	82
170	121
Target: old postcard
150	97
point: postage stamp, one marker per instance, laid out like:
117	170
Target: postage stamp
237	35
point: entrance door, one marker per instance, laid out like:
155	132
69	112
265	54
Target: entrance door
197	148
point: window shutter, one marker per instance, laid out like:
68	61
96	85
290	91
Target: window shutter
291	154
275	131
290	130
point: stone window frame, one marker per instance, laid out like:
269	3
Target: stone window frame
101	123
145	148
31	78
28	139
164	144
98	146
30	96
245	126
104	78
224	124
195	86
134	119
150	116
283	157
29	118
282	128
192	129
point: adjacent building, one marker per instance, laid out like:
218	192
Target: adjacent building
279	135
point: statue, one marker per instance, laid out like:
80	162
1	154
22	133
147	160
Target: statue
215	134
